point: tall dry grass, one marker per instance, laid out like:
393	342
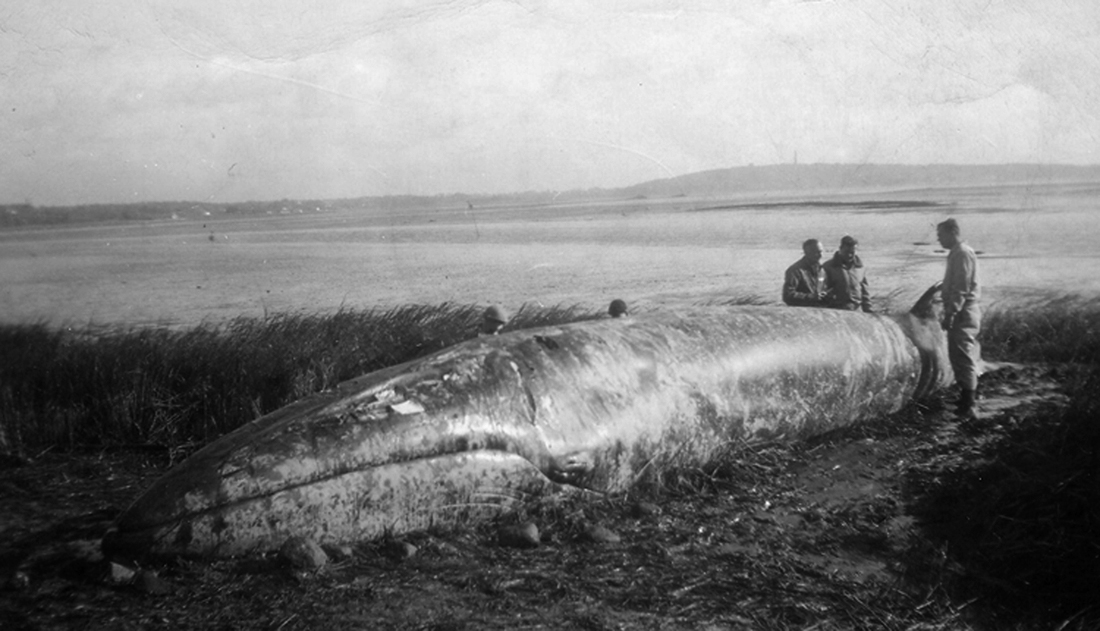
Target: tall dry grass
1049	328
91	386
130	385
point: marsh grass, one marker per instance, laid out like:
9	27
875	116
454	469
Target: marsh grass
137	385
97	386
1048	328
736	301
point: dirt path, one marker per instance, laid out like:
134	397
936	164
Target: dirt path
784	536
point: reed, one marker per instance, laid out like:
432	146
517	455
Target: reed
96	386
1045	328
136	385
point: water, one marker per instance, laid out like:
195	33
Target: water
654	254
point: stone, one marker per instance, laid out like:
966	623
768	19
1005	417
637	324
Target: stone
118	574
644	509
446	548
401	550
149	583
303	554
596	533
85	550
338	552
525	535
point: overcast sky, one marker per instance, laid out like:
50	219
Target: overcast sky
209	100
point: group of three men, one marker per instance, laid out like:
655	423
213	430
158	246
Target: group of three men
841	283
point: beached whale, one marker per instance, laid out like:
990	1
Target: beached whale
469	431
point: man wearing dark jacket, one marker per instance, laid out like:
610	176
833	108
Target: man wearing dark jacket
492	321
802	282
845	280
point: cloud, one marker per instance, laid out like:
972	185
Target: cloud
156	100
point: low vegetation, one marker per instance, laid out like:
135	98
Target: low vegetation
157	386
92	386
1063	328
1006	511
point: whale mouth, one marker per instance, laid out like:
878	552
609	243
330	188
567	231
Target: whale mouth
413	494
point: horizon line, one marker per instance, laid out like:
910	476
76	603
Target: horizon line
555	192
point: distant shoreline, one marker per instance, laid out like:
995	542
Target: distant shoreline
866	205
780	179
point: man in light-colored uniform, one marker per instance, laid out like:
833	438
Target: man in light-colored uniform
962	316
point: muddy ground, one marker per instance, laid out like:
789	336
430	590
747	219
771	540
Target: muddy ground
849	530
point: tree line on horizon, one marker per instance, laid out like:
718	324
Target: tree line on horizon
741	179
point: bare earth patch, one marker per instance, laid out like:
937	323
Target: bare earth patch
830	533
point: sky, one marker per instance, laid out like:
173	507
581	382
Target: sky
206	100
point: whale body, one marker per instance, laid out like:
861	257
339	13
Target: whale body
474	429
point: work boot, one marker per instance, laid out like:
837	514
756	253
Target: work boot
964	409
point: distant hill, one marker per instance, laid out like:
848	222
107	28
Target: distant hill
785	179
791	178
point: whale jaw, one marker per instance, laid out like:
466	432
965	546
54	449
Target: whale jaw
442	491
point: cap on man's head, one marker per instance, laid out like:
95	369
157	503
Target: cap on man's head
617	308
496	314
848	241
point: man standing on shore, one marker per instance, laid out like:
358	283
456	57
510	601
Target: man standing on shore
802	281
845	279
962	316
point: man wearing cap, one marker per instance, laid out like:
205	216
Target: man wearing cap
803	281
845	279
617	308
962	316
492	321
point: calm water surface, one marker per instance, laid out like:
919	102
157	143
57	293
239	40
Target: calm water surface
654	254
